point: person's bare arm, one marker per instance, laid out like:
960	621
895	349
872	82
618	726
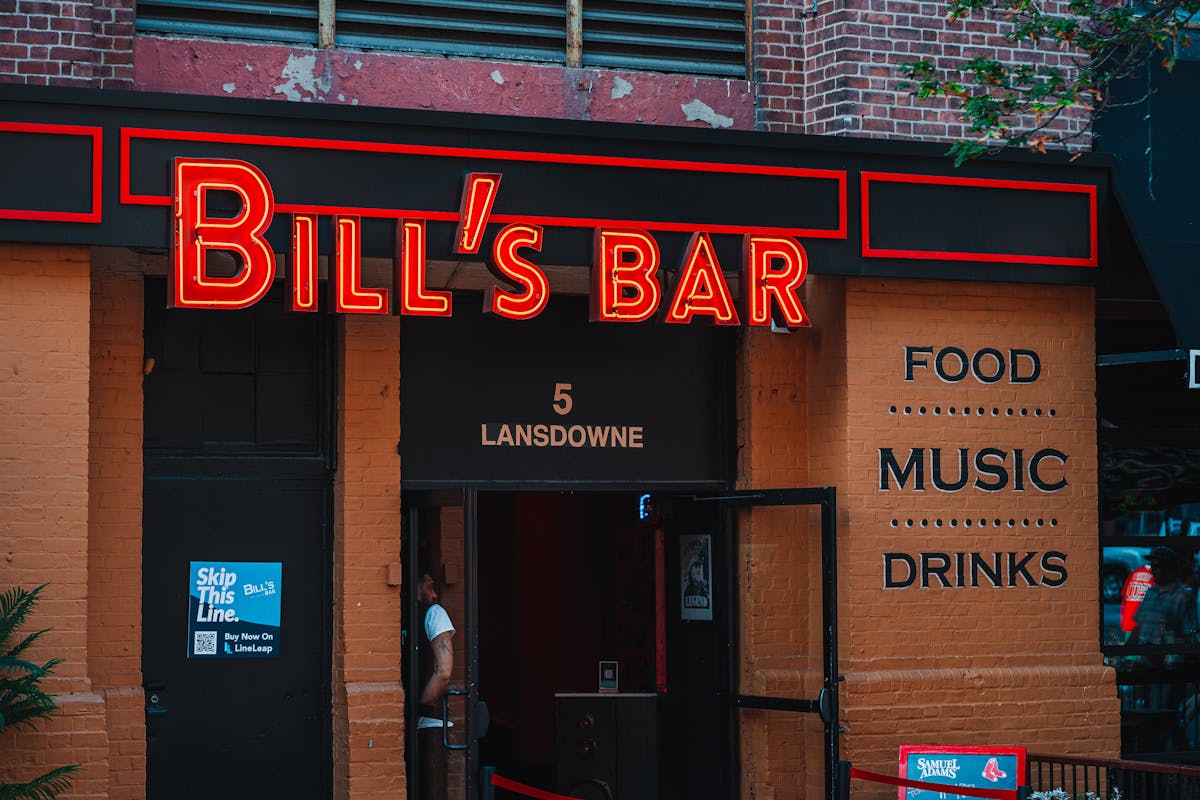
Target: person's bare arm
443	661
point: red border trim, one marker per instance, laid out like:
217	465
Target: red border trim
1091	260
966	749
128	197
91	216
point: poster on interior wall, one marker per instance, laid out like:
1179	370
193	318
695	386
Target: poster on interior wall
233	609
695	579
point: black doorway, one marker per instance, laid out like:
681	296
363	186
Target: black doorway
569	579
237	473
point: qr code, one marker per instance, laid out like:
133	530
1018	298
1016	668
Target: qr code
204	643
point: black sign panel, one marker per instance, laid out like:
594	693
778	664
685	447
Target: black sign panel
560	400
859	207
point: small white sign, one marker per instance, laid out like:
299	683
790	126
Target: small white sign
608	677
695	578
1194	369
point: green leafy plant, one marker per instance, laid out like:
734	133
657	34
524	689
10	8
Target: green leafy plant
1018	101
23	701
1059	794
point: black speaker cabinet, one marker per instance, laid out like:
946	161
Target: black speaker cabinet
607	746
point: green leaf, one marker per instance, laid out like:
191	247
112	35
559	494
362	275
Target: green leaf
23	702
45	787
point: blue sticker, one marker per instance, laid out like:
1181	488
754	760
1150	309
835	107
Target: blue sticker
233	609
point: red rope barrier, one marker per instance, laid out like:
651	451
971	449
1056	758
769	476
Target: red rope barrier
528	791
969	791
855	772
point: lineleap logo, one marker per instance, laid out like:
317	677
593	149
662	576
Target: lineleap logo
992	771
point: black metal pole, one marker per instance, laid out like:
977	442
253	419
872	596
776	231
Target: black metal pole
733	763
470	555
843	780
830	645
412	658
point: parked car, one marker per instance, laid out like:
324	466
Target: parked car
1118	563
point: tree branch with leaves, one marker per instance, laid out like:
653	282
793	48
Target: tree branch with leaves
1021	102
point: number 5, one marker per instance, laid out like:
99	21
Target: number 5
562	400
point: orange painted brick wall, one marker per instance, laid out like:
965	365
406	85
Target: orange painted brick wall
115	517
44	354
1009	665
792	404
368	700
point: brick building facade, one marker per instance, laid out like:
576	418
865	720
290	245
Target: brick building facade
940	660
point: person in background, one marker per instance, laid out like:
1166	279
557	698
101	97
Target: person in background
437	662
1167	614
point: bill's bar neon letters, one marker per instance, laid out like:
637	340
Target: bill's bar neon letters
625	286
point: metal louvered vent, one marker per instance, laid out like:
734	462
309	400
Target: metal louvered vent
701	37
505	29
704	37
272	20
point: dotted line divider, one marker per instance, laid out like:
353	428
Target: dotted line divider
968	522
966	411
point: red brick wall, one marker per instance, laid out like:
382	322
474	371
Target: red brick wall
115	518
368	699
44	355
835	72
65	43
831	72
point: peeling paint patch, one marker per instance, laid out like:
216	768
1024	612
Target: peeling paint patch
298	77
358	64
249	68
621	88
341	97
325	82
699	111
229	88
497	77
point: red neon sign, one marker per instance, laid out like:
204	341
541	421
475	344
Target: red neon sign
349	295
304	276
700	287
507	264
625	286
415	298
479	195
197	232
773	267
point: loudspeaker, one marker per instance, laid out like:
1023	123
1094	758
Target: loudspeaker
607	746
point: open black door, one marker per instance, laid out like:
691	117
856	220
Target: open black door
443	742
825	705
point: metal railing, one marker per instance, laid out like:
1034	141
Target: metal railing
1160	714
1136	780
